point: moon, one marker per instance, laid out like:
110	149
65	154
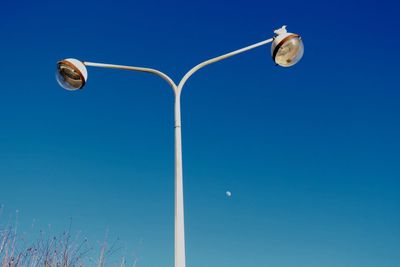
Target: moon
228	194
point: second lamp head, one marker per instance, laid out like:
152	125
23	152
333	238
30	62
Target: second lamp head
287	48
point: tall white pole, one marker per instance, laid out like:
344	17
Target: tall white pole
180	259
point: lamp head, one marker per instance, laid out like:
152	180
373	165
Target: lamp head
287	48
71	74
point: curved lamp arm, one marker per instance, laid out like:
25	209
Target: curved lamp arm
216	59
178	88
139	69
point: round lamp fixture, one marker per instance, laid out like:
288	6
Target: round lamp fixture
287	48
71	74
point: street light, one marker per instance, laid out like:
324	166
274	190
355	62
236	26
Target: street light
287	49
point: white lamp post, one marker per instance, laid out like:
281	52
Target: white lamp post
287	49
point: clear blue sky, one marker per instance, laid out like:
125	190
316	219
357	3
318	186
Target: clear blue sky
310	153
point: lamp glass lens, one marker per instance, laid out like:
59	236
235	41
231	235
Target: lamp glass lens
290	52
68	77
